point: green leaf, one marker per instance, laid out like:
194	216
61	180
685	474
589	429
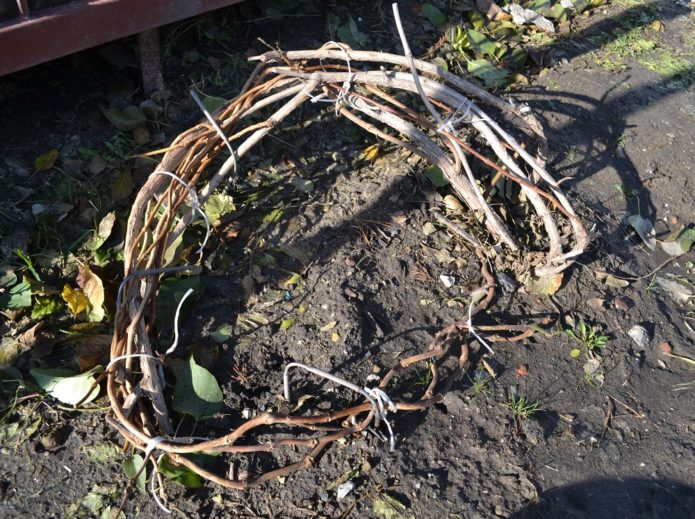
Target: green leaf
123	185
46	161
171	290
489	73
7	276
196	393
576	352
389	507
286	324
433	14
218	205
102	452
67	386
349	33
14	434
131	466
179	473
103	232
436	176
45	305
213	103
128	119
223	333
19	296
481	43
441	63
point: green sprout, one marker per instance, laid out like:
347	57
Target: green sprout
588	337
522	407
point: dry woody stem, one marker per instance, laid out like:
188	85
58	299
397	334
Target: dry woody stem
383	94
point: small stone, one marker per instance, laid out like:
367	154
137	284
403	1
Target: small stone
448	281
345	489
640	336
665	347
350	261
246	413
522	370
596	302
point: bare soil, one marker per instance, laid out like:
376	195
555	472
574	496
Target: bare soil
621	138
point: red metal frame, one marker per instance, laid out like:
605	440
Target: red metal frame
51	33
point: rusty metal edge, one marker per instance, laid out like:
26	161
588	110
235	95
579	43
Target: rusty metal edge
58	31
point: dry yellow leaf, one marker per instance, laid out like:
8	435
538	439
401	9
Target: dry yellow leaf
370	153
546	285
75	299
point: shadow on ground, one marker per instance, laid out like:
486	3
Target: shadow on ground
614	499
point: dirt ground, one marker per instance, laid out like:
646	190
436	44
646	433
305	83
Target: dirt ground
619	118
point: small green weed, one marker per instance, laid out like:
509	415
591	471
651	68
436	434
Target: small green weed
423	378
522	407
588	337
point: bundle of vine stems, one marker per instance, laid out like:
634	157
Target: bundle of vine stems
410	103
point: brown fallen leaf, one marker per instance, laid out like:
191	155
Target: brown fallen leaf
522	370
545	286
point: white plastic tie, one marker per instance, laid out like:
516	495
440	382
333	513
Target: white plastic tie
381	403
472	331
154	490
172	348
214	124
195	204
384	405
129	356
152	445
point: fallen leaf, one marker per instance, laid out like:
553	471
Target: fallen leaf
388	507
141	135
433	14
123	185
613	282
76	300
218	205
678	289
223	333
132	467
46	161
370	153
596	302
196	392
546	285
453	205
491	75
644	229
19	296
429	228
329	326
522	370
286	324
436	176
128	119
102	452
67	386
93	289
179	473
